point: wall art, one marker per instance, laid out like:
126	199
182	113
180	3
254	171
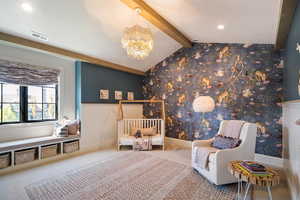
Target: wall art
118	95
104	94
130	95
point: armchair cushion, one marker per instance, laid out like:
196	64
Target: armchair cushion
223	142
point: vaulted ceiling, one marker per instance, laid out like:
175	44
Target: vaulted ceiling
94	27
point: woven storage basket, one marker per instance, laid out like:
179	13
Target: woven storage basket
70	147
49	151
25	156
5	160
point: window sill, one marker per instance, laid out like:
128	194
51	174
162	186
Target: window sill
30	124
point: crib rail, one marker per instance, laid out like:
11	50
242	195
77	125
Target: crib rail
125	125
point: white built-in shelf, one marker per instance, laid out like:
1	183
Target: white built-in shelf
34	143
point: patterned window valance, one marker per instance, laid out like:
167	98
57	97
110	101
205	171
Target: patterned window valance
25	74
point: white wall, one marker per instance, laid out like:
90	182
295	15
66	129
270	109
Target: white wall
66	90
99	123
98	120
291	146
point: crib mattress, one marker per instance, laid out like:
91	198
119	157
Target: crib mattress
128	140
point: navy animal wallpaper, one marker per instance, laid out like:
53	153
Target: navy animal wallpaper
244	80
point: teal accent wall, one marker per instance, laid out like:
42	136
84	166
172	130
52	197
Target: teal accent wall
292	60
77	89
90	78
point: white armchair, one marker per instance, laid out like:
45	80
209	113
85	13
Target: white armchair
217	171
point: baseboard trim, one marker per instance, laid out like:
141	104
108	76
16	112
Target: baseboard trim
177	143
292	101
269	160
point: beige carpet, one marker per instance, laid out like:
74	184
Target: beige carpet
134	175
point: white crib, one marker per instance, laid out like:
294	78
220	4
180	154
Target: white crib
125	125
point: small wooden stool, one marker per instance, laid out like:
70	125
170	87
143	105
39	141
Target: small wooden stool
249	178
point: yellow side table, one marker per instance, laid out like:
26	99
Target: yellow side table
243	175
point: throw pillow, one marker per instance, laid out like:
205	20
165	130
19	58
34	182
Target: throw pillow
223	142
149	131
74	127
144	131
61	131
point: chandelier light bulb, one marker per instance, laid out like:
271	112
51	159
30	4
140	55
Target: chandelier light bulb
137	40
27	7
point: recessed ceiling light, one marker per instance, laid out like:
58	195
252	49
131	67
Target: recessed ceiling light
27	7
221	27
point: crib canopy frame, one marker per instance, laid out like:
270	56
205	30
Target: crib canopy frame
121	102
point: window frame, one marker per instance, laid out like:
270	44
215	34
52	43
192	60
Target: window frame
23	106
1	106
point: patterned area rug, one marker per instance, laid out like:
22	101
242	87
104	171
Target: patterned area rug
135	175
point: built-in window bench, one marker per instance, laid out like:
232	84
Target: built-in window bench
22	151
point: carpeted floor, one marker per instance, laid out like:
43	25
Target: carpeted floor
133	175
17	185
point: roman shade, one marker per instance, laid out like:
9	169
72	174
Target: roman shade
26	74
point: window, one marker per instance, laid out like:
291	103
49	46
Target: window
27	104
41	103
10	103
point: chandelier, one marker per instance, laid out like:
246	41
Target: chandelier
137	40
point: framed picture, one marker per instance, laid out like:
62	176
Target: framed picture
104	94
130	95
118	95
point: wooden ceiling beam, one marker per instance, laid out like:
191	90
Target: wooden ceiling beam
57	50
286	19
153	17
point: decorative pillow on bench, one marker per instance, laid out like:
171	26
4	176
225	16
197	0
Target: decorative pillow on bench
61	131
72	127
223	142
144	131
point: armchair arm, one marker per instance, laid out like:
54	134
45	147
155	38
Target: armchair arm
238	153
225	152
202	143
